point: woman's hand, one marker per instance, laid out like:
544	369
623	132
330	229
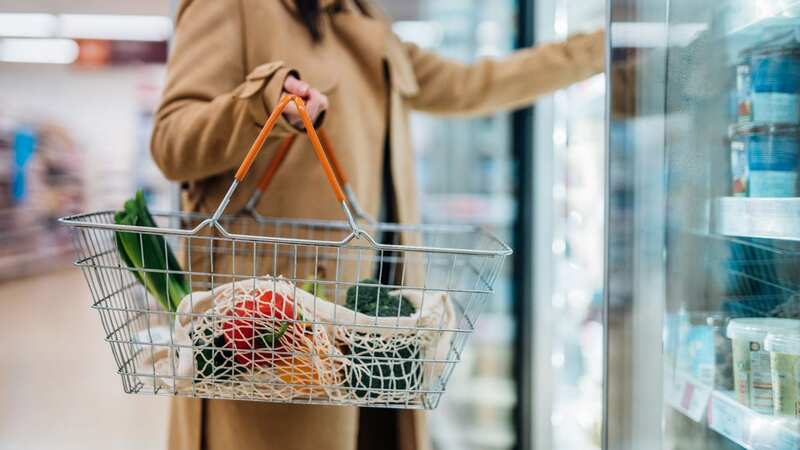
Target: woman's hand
316	102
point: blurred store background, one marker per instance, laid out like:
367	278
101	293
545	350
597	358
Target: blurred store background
79	81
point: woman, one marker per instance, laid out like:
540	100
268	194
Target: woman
232	61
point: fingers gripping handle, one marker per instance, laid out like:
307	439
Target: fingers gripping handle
244	168
262	136
312	135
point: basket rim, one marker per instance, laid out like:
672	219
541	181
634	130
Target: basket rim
502	249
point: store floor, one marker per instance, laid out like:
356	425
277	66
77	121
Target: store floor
58	387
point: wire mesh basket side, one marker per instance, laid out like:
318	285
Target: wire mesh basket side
373	359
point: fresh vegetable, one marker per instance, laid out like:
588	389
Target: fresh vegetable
261	326
375	301
213	360
149	252
399	369
389	370
314	287
300	369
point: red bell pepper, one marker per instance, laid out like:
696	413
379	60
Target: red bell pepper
262	325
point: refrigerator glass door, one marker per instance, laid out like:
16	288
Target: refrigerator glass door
567	178
703	241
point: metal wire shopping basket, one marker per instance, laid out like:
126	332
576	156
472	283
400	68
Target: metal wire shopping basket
348	312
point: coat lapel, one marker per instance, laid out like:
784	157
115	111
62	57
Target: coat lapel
365	38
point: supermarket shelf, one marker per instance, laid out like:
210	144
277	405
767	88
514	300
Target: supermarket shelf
723	414
749	23
748	428
771	218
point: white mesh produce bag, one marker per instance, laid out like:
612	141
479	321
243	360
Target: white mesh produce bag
326	350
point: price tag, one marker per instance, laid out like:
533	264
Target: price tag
694	401
688	396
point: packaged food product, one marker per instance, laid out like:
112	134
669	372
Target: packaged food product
784	348
772	156
696	352
723	357
739	169
776	84
744	105
752	373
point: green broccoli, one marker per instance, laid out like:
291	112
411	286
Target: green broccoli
398	370
391	369
375	301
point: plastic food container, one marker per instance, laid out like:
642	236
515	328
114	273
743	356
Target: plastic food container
752	372
765	160
775	79
723	359
739	169
784	348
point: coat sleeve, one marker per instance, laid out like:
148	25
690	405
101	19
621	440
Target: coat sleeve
212	109
449	87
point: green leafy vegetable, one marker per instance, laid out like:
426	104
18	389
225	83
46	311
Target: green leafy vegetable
375	301
397	366
314	287
149	252
399	369
215	361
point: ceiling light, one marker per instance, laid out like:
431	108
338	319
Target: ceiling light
28	25
52	51
115	27
86	26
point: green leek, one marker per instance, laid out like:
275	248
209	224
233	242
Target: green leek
149	256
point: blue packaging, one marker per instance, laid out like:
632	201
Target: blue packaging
775	83
776	70
773	157
701	352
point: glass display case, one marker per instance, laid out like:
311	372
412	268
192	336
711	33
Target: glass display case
702	306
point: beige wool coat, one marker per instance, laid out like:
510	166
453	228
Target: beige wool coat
226	72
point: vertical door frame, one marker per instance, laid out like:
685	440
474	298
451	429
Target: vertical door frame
634	292
524	286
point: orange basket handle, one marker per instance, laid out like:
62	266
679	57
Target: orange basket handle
283	150
280	156
312	135
275	163
328	146
255	149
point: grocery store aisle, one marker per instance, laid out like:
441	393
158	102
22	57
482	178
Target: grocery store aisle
58	387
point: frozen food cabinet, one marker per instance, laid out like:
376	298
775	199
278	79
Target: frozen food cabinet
702	298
